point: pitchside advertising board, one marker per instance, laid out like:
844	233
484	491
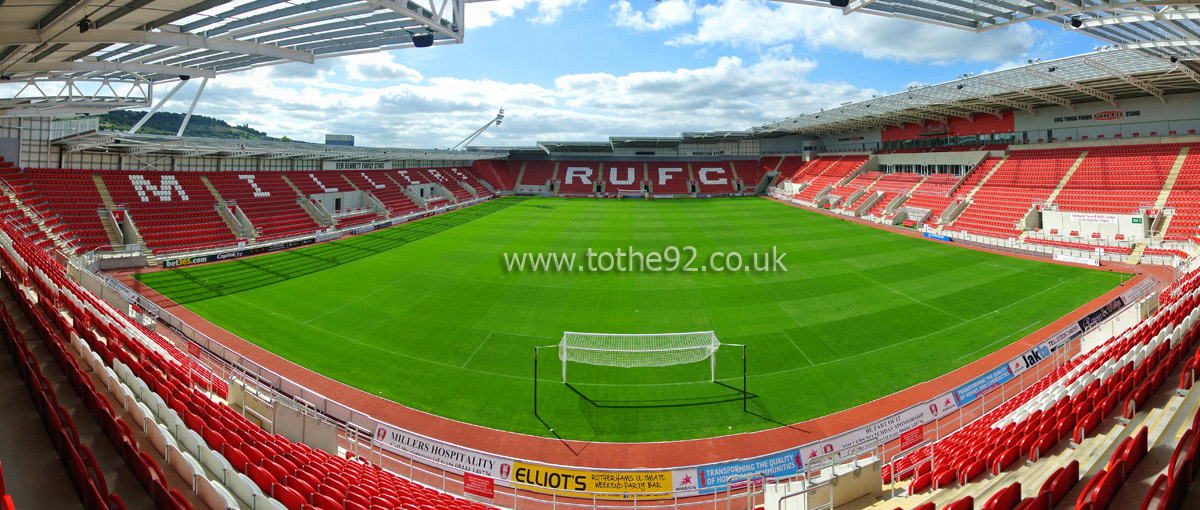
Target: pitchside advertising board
234	254
488	470
737	474
603	484
454	459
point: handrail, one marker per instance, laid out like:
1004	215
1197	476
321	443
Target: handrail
810	488
912	466
749	486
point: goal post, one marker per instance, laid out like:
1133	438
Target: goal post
639	351
632	193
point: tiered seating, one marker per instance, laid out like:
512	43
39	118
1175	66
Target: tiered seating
1171	488
497	172
813	168
830	172
1026	179
19	183
892	185
255	465
1169	252
1118	180
172	211
575	183
1070	404
714	177
864	180
899	182
77	456
880	207
267	201
1079	246
1185	197
677	182
537	173
449	180
73	196
972	182
789	166
844	193
936	205
937	184
356	219
749	172
377	183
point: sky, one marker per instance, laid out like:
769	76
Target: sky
586	69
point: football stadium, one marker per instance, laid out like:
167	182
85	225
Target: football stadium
979	292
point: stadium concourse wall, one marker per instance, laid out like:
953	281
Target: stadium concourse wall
526	483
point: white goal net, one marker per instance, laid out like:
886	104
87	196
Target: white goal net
631	193
637	351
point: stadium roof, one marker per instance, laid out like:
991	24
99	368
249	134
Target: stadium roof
1161	27
160	145
54	46
1107	75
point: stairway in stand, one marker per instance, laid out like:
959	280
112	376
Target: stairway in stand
1066	177
985	179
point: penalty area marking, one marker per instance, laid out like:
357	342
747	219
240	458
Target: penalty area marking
523	378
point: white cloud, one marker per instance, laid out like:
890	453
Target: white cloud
549	11
664	14
756	22
439	111
483	14
378	66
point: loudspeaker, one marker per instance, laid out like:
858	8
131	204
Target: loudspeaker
1076	22
422	40
839	3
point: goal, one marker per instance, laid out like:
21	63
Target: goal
639	351
632	193
646	351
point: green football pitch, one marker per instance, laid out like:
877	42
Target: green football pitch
426	314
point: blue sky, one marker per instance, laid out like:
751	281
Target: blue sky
584	69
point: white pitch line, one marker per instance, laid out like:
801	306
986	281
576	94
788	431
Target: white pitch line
376	291
789	337
485	339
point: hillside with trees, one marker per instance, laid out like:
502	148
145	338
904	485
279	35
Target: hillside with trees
166	123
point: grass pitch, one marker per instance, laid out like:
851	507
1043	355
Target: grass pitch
426	314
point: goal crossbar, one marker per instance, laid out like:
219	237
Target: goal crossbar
638	350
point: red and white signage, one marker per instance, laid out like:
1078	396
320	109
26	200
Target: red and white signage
1093	218
479	486
912	437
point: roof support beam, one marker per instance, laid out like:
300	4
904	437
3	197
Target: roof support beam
1132	80
1009	103
192	108
1142	16
1029	92
154	110
1169	43
157	39
1091	91
109	67
419	15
